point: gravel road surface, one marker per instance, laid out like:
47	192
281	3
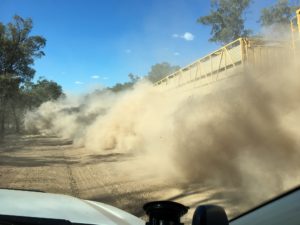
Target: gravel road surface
52	164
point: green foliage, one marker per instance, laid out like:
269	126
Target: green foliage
280	13
157	72
34	94
160	70
133	78
18	48
121	87
126	85
9	86
226	20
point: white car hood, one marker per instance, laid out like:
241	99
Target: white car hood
57	206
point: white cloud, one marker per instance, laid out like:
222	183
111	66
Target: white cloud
128	51
99	77
186	36
176	53
78	82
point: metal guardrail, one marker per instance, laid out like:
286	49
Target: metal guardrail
295	32
298	19
207	69
222	62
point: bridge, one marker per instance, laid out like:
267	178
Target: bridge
231	59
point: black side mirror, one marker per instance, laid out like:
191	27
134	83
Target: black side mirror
210	215
169	213
165	213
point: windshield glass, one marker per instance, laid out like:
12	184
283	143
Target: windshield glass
125	102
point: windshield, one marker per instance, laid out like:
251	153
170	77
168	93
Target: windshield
125	102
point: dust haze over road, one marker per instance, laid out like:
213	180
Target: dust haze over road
235	146
53	164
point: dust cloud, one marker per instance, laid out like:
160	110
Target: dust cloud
243	134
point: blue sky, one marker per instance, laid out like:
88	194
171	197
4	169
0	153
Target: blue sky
99	42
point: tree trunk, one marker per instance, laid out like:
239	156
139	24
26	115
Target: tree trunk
2	124
2	118
16	119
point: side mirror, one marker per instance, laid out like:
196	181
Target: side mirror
164	212
210	215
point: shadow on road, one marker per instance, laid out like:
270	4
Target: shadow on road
18	143
39	151
52	160
55	165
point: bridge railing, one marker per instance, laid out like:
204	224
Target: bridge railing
295	32
226	62
298	19
209	68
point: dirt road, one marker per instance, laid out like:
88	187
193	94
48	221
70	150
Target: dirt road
52	164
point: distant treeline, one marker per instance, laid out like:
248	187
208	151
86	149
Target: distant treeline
157	72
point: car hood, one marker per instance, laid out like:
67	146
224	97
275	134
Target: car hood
58	206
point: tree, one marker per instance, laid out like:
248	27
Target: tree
157	72
226	20
17	53
34	94
133	78
126	85
280	13
160	70
19	49
29	96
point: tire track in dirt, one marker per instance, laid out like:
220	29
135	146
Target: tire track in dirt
34	163
72	182
54	165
